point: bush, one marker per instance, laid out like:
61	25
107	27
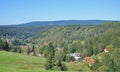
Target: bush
64	67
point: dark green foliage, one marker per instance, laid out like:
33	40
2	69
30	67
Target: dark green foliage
69	58
20	50
17	49
112	60
92	40
64	67
33	50
50	57
51	63
59	55
1	44
61	66
72	50
108	62
28	51
4	45
23	33
87	40
34	53
16	42
96	65
64	46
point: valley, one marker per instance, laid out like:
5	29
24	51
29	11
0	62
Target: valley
34	47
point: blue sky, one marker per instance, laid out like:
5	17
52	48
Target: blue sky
22	11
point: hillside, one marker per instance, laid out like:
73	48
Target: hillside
91	41
82	33
15	62
30	30
22	32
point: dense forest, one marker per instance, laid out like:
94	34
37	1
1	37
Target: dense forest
98	46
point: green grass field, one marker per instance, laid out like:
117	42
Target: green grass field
15	62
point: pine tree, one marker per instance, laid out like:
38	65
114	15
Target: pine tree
20	50
61	66
1	44
50	57
65	50
51	63
28	51
6	46
33	50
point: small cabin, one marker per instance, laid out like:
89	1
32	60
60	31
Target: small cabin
76	56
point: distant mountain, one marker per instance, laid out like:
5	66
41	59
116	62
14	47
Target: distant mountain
35	28
64	22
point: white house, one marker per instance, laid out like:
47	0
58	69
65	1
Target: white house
76	56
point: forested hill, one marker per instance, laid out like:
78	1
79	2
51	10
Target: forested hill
80	32
88	40
91	41
64	22
105	34
35	28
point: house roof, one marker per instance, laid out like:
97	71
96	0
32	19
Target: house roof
89	60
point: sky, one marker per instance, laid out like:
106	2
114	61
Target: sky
23	11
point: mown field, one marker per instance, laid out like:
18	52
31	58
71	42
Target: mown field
15	62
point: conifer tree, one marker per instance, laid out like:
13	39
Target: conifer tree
50	57
28	51
6	46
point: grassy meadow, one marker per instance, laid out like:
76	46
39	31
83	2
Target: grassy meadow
15	62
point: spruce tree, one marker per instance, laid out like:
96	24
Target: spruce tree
1	44
33	50
28	51
51	63
6	46
50	57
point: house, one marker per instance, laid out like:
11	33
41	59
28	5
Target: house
76	56
89	60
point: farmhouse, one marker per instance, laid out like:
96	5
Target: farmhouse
89	60
76	56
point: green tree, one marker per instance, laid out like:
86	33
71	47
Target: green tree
6	46
20	50
64	45
28	51
1	44
96	65
61	66
33	50
112	60
51	63
50	57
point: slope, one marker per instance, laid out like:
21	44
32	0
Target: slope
14	62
